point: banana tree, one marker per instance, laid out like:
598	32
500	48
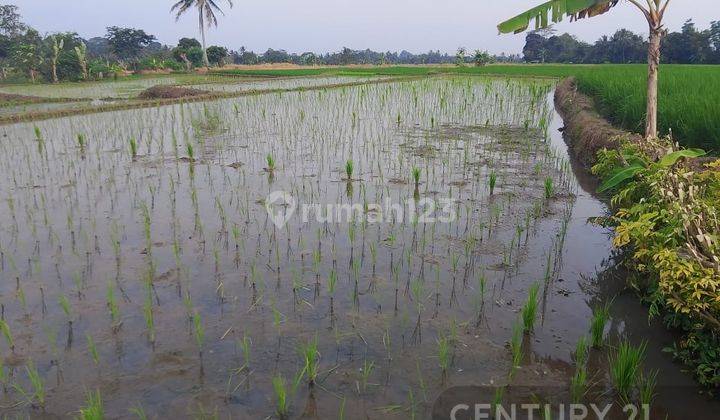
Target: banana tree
81	53
554	11
57	46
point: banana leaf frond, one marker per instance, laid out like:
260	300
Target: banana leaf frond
554	11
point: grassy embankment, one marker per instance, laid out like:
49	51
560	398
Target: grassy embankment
689	95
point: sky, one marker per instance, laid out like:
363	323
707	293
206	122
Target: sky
329	25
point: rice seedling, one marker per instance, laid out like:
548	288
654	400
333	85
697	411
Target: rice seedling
149	316
190	150
549	188
66	307
516	347
139	412
37	394
646	389
578	385
341	413
581	351
444	354
38	385
133	148
529	310
349	168
417	294
498	396
311	357
3	375
93	409
492	181
7	334
282	403
332	282
416	176
198	332
365	373
625	364
39	139
599	319
92	349
411	397
270	161
245	346
112	305
81	143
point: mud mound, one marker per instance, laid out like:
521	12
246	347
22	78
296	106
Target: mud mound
171	92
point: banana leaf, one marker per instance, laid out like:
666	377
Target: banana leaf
632	159
620	176
554	11
672	158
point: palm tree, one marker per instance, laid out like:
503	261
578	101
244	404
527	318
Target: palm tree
206	15
653	10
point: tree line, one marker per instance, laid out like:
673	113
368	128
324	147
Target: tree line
688	46
26	55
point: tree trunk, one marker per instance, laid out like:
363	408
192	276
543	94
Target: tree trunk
652	89
54	71
188	64
202	33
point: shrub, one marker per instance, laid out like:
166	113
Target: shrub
667	220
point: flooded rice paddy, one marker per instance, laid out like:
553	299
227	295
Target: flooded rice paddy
140	256
126	89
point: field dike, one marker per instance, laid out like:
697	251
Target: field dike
666	222
589	131
180	96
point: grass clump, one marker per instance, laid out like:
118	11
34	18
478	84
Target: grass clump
270	161
600	318
492	181
529	310
133	148
516	348
416	176
444	353
549	188
349	168
311	357
282	403
7	334
93	409
625	365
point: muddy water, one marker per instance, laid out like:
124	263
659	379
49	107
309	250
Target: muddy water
183	241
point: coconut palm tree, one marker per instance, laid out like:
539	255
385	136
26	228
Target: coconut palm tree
653	10
206	16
